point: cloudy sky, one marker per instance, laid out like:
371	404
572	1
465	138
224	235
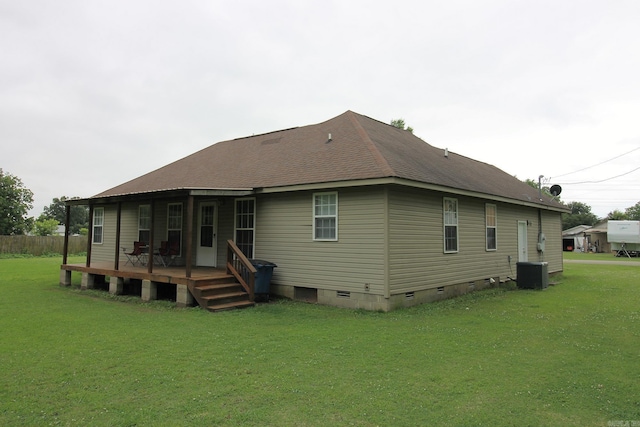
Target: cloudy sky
94	93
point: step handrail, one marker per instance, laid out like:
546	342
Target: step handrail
241	268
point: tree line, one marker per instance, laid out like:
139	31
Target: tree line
16	201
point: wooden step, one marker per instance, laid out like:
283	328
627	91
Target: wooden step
217	289
218	298
231	305
219	294
217	280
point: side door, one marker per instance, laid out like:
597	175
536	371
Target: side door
207	244
523	251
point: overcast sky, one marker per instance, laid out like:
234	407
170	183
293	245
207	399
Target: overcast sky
95	93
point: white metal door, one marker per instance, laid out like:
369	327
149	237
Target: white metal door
523	252
206	252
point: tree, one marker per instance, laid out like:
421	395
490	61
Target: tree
45	227
545	190
400	124
79	215
633	212
580	215
617	215
15	202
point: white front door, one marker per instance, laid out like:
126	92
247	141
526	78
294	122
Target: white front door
206	251
523	252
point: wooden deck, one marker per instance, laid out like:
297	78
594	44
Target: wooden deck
174	274
214	289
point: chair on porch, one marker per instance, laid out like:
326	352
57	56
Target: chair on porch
167	252
137	255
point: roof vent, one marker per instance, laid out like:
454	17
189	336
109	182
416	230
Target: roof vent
446	152
329	138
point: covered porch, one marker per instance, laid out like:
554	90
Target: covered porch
212	288
215	281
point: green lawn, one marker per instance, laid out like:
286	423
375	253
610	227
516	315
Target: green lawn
564	356
597	257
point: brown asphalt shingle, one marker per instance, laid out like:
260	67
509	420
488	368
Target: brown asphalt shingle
360	148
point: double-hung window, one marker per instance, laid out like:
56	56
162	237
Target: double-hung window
491	217
174	226
450	214
245	225
325	216
98	225
144	223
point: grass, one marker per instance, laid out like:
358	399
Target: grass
564	356
597	257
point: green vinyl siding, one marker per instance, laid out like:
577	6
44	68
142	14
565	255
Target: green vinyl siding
552	228
284	235
105	250
416	258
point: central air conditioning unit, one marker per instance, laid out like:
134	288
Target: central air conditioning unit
533	275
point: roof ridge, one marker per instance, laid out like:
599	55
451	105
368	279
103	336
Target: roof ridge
265	133
377	155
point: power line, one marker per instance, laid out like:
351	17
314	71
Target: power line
598	164
602	180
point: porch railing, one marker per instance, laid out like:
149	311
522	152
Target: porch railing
241	268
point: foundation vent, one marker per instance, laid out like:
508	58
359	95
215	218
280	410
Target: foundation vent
441	290
410	295
343	294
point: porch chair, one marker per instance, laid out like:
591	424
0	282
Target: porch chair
136	256
167	252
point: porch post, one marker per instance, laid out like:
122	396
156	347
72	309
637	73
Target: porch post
90	236
116	262
189	235
151	231
67	218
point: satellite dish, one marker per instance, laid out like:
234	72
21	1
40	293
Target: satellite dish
556	190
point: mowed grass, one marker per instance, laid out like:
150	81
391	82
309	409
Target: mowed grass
588	256
568	355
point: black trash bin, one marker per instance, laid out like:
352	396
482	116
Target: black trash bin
263	278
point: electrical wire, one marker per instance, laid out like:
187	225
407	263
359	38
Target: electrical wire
602	180
598	164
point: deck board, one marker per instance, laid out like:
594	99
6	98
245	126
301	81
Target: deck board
172	274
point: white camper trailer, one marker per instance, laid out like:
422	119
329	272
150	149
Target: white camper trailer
624	237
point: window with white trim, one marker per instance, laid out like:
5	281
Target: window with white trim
98	225
491	216
245	224
174	226
450	220
325	216
144	223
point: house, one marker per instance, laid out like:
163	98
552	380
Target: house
574	239
354	212
597	237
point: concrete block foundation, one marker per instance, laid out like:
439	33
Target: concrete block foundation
149	290
88	281
183	296
116	285
65	277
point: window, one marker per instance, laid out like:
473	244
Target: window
98	225
325	216
492	227
450	211
245	225
174	226
144	223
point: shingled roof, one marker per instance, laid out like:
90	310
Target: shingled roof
360	148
